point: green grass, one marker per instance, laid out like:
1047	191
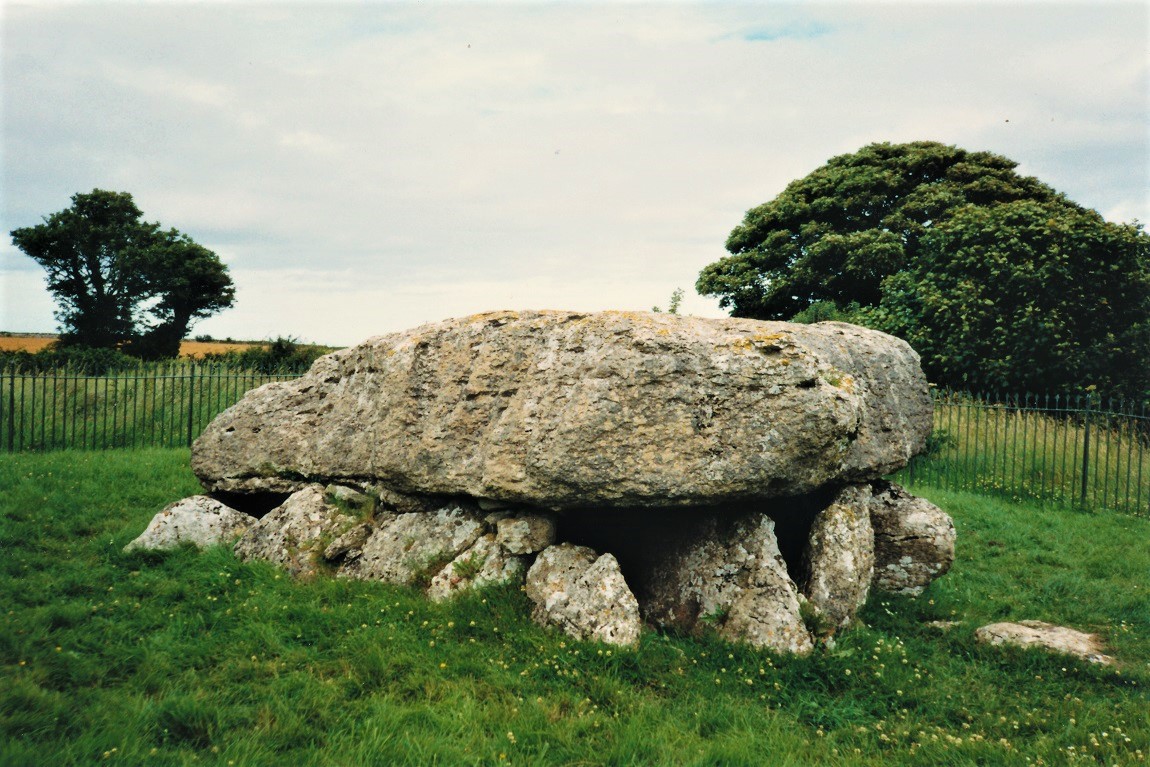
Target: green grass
195	658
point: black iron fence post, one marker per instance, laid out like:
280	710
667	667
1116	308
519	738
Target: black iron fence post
1085	451
191	400
12	410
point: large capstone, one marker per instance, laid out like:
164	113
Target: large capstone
560	410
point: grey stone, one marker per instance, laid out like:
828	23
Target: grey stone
411	548
405	503
200	520
913	540
486	563
727	574
526	533
942	626
838	564
294	535
1059	639
492	517
350	544
565	410
584	594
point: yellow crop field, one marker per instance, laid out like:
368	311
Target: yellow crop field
197	349
25	343
193	349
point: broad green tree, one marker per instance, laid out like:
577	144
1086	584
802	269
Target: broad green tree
837	233
1027	296
120	281
997	280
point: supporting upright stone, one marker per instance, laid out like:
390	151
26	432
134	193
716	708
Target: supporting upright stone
294	534
838	564
485	563
409	549
730	576
583	594
913	540
526	533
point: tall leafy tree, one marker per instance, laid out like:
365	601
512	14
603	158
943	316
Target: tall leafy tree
188	282
120	281
837	233
1027	296
996	279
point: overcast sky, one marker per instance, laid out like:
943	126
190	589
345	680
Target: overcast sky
364	168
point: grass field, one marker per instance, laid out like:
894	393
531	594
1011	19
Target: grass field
197	659
29	342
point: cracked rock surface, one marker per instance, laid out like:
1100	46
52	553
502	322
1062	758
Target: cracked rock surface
485	563
838	564
293	534
560	410
727	574
406	548
584	594
526	533
200	520
913	540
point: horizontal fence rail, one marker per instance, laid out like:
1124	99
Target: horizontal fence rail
1078	450
159	406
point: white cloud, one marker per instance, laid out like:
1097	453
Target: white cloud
362	168
342	308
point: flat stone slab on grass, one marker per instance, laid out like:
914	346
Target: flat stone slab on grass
1058	639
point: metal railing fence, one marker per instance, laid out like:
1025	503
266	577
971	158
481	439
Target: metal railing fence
1079	450
154	406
